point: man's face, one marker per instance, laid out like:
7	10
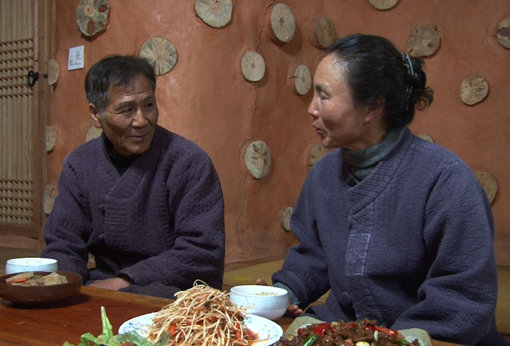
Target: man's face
130	117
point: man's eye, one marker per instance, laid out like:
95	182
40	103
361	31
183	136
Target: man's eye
126	111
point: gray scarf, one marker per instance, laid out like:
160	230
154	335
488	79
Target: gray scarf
360	163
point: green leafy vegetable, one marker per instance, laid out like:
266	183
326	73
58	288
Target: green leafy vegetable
311	340
108	338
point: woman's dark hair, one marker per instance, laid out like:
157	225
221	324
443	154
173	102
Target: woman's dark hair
375	69
116	70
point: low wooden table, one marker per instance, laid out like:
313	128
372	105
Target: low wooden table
67	321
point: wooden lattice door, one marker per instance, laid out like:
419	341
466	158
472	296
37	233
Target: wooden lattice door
21	123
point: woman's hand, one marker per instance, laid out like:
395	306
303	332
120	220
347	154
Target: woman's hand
292	310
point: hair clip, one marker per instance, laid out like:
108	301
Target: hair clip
410	71
409	65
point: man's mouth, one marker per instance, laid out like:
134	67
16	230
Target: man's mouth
138	138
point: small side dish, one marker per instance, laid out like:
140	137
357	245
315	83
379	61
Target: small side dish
265	301
39	287
30	279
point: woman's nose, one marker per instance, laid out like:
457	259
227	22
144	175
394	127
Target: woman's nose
312	109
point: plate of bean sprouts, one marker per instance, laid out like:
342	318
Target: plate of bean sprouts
206	316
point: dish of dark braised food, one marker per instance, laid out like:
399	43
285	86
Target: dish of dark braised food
39	287
358	333
30	279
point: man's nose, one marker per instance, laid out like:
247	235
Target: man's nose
140	119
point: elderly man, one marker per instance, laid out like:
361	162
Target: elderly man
145	202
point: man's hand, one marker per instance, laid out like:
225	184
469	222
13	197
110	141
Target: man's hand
114	284
292	310
261	282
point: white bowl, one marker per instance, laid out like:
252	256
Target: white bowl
265	301
30	264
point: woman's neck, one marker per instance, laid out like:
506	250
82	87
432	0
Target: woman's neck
360	163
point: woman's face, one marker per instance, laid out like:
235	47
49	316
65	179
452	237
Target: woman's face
336	119
130	117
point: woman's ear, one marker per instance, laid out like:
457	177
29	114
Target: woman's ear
94	114
375	109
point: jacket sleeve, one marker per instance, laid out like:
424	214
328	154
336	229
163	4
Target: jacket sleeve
305	268
458	297
69	223
197	208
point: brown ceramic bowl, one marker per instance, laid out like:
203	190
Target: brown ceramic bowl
40	294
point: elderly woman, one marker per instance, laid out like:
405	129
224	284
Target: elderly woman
398	228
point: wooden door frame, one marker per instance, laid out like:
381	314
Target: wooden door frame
44	49
46	14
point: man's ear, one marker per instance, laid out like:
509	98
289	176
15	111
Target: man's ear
94	114
375	109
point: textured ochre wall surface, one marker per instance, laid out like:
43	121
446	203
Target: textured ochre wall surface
206	98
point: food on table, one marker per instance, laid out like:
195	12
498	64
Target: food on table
201	315
265	301
30	279
358	333
108	338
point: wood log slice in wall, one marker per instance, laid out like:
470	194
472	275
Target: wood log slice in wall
322	32
489	184
424	41
50	135
215	13
383	4
50	193
302	80
317	152
283	25
426	137
257	159
253	66
161	53
286	214
473	90
503	33
52	71
92	16
92	133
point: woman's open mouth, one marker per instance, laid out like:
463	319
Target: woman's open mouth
320	132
